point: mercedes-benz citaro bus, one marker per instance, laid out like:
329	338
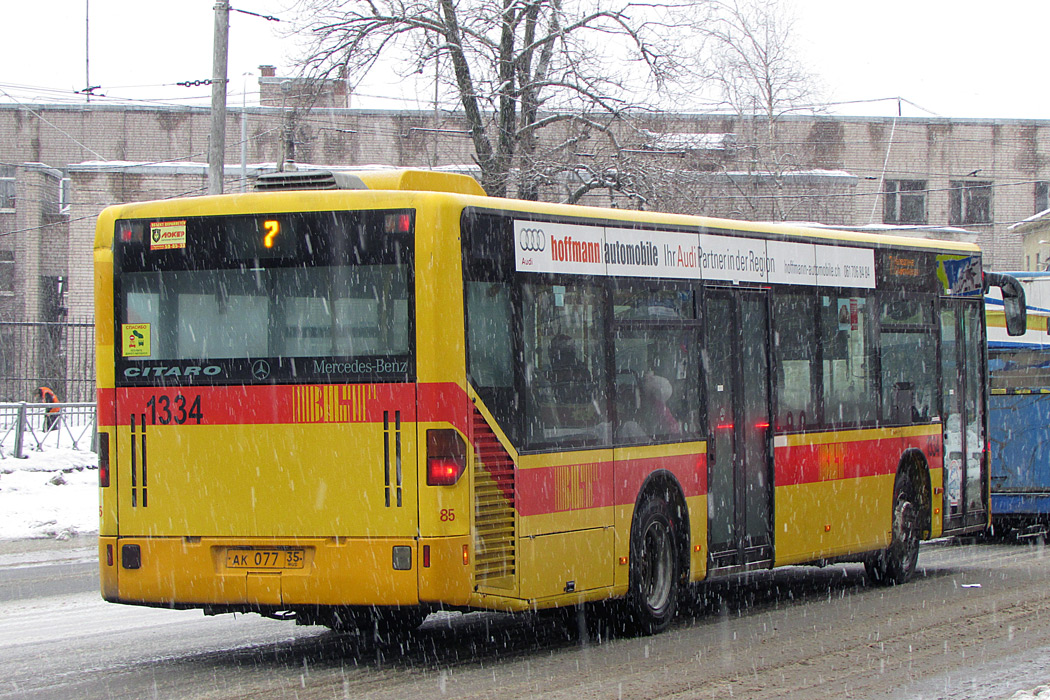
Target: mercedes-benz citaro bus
354	398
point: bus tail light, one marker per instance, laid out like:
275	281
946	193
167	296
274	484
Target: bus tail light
446	457
397	223
103	460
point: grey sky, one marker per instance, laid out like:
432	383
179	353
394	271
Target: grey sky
952	58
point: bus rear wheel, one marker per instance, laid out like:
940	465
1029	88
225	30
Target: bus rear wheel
897	563
654	578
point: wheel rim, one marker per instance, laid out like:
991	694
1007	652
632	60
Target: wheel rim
658	565
905	530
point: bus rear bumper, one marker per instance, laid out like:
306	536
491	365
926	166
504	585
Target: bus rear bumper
188	572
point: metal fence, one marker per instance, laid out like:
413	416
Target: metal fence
36	426
56	355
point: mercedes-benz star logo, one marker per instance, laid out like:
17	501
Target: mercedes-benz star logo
261	369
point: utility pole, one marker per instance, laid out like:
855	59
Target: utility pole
288	150
217	140
244	132
87	50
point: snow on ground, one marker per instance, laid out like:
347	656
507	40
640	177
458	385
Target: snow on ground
1040	693
52	493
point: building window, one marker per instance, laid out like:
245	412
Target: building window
7	187
64	194
7	272
970	202
904	202
1042	196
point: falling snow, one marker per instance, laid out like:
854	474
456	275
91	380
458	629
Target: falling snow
53	494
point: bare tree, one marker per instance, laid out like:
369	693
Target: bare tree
535	79
756	70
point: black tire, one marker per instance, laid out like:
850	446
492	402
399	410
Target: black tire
897	563
652	597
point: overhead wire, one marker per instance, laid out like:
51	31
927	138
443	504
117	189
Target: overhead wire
327	120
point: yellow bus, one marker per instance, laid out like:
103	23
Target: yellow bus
354	398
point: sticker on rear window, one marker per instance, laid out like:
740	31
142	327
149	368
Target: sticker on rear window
165	235
135	339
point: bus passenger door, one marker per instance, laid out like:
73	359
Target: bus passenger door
962	371
736	378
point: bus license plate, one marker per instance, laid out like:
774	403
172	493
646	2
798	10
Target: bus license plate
264	559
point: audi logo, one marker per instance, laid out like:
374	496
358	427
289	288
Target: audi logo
532	239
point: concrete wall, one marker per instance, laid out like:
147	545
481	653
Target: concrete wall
781	179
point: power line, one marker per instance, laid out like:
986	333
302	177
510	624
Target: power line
56	128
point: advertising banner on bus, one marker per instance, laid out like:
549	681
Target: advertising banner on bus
596	250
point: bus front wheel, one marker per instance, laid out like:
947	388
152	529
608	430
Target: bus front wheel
653	593
897	563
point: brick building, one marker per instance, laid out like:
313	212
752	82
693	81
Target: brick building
61	164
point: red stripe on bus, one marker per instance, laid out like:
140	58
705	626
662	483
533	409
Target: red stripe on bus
807	464
565	488
600	484
266	405
445	402
105	400
296	404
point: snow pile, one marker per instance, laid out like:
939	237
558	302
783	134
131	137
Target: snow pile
1040	693
50	494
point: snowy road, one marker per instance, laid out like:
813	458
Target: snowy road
975	625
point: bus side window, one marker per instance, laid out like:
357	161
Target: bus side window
846	343
490	352
657	384
565	378
908	359
795	336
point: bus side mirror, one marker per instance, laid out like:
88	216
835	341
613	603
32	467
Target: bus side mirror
1013	301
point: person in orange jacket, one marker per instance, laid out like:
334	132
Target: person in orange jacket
45	395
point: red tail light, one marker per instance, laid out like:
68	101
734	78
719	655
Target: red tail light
446	457
103	460
398	223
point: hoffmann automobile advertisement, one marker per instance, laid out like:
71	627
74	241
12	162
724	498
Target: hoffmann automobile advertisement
596	250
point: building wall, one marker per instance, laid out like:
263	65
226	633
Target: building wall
96	186
36	233
1010	154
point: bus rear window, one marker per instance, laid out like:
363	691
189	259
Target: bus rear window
331	302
